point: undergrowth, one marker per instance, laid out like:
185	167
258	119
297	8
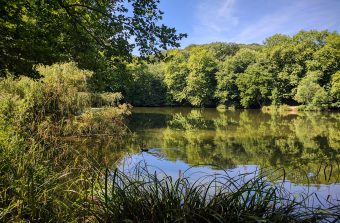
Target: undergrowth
59	104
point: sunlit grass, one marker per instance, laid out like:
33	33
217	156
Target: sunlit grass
143	196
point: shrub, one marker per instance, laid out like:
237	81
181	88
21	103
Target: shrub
105	121
56	103
105	99
64	86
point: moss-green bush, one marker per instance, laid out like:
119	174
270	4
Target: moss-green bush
105	99
57	102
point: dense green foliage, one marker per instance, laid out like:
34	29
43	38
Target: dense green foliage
294	70
58	104
90	33
298	70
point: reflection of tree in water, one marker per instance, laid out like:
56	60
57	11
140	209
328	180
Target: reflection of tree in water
141	121
193	121
304	144
271	141
190	132
101	151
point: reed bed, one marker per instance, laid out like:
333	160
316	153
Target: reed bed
144	196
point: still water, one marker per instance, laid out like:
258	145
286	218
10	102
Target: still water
303	148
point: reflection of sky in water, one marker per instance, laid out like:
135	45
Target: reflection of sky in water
305	145
155	162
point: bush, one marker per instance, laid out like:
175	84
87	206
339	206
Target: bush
52	104
105	121
59	94
105	99
277	109
64	86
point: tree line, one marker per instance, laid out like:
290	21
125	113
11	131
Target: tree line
303	69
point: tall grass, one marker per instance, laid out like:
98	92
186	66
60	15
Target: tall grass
149	197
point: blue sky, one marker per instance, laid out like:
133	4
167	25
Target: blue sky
248	21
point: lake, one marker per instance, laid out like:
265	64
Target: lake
300	149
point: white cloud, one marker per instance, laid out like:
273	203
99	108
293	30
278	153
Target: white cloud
289	19
229	20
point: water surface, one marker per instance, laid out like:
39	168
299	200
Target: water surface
303	148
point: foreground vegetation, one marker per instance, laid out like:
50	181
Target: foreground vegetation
142	196
39	119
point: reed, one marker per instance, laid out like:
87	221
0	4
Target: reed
150	197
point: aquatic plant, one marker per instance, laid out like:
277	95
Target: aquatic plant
144	196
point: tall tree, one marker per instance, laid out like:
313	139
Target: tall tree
88	32
175	74
309	92
201	81
255	86
226	91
